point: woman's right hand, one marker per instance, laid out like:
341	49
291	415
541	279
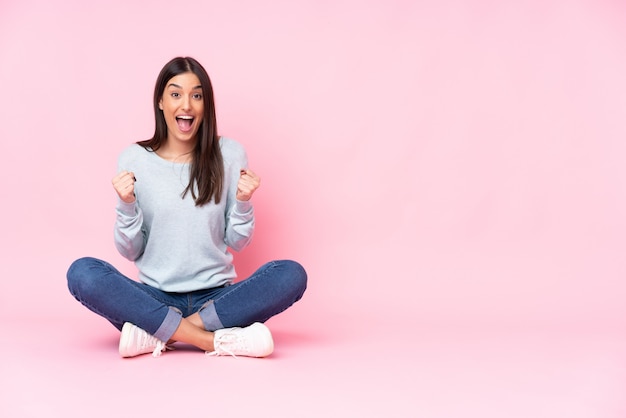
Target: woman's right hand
124	185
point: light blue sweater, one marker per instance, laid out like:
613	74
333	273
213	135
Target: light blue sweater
177	246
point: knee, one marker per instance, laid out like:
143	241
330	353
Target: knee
79	267
78	275
296	276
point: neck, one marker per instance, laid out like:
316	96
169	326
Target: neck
179	152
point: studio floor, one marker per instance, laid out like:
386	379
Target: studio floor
67	367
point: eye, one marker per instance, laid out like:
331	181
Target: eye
174	94
197	96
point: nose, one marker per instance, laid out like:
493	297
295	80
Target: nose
186	103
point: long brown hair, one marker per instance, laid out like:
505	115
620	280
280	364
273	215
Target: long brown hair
206	172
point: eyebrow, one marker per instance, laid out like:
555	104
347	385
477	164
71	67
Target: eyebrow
179	87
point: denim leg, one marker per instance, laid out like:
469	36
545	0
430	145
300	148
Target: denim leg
105	291
270	290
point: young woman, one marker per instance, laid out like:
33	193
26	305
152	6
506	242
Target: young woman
184	198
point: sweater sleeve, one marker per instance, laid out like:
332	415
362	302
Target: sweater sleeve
129	236
239	214
239	225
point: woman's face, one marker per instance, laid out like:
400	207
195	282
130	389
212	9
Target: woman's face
183	107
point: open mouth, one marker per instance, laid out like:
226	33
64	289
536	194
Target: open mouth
184	122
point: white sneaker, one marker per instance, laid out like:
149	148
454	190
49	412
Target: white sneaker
135	341
252	341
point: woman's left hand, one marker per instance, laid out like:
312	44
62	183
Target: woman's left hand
247	185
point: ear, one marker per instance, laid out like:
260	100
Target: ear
161	104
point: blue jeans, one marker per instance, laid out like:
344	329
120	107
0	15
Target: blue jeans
104	290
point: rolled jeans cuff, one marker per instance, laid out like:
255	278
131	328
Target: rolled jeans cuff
169	325
209	317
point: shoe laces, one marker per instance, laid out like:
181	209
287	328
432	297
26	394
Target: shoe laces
228	339
147	340
160	347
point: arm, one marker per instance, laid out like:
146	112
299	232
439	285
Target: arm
240	217
128	235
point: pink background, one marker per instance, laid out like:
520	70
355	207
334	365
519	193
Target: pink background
451	174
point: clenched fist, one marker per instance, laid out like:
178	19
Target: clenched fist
248	183
124	185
